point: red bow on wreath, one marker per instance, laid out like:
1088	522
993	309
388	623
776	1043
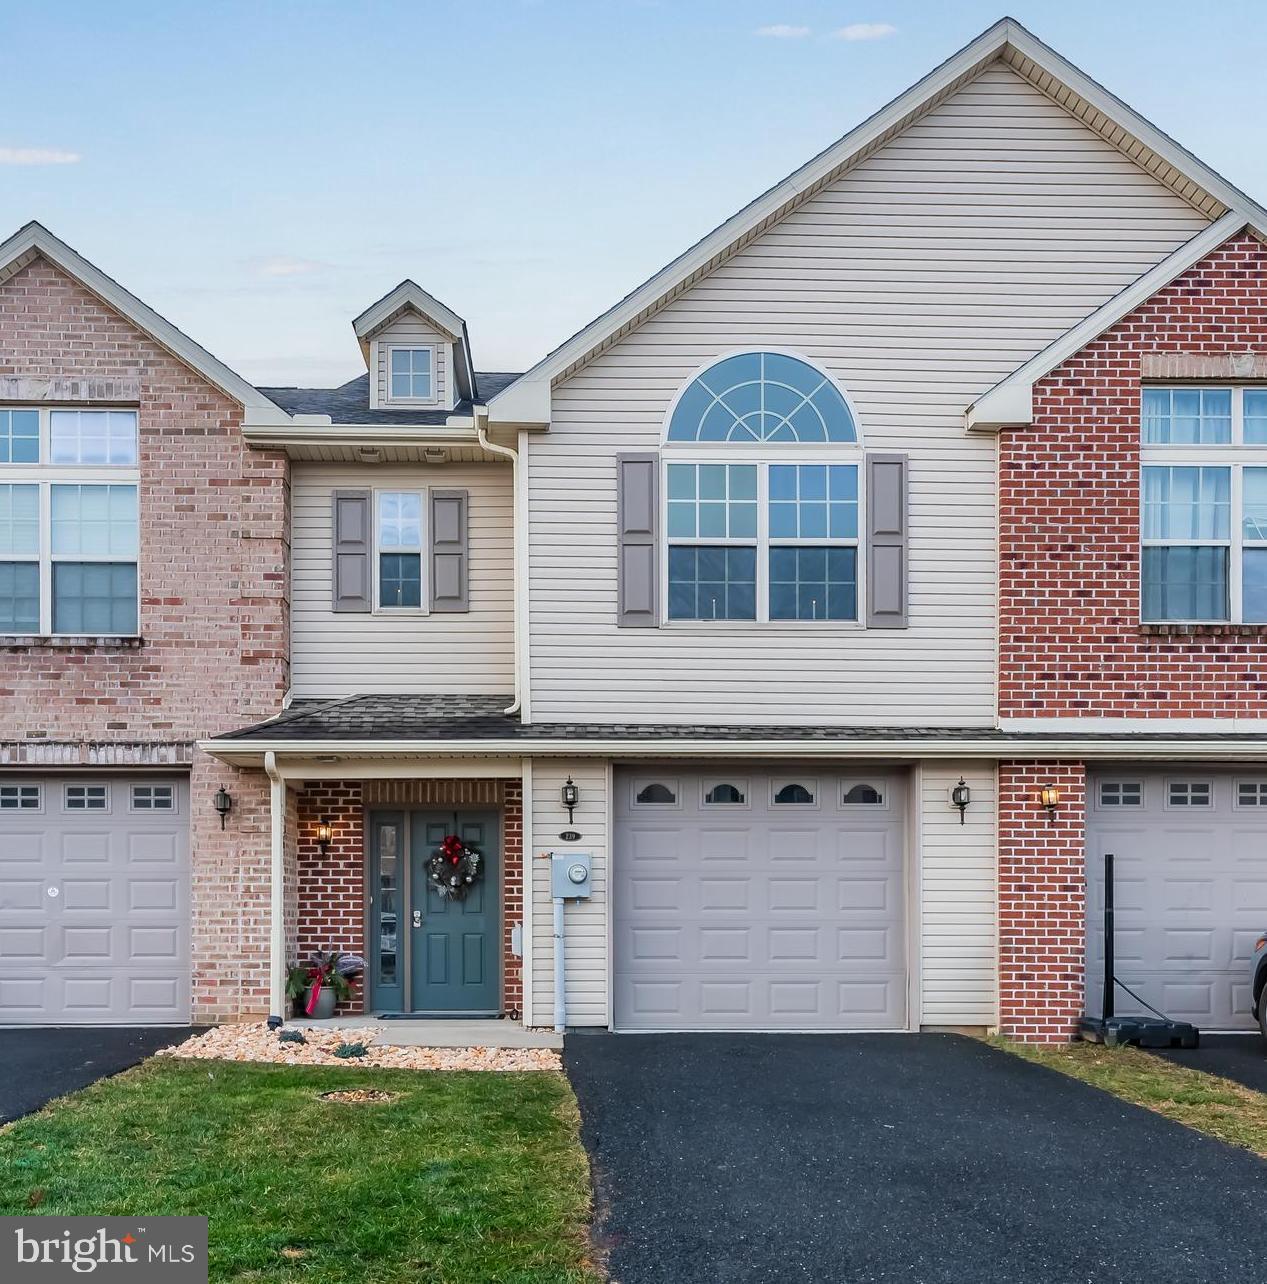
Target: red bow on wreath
452	849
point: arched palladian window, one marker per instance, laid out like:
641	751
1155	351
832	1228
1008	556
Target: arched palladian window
762	396
762	476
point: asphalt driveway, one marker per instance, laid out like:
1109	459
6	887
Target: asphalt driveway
1242	1057
914	1158
40	1064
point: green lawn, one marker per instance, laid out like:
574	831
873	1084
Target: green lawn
463	1177
1226	1110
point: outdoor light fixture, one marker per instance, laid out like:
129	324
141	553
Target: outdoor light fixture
223	804
1049	798
325	832
571	796
961	796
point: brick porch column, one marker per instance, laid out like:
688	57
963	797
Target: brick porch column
1042	901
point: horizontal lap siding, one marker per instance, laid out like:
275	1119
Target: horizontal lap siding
919	280
958	897
585	922
406	331
468	652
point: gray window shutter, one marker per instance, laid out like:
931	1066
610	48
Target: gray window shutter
887	525
351	549
449	556
637	533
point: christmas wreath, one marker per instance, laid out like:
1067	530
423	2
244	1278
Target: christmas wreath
454	868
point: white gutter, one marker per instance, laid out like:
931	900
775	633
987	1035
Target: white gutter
1104	747
518	551
277	891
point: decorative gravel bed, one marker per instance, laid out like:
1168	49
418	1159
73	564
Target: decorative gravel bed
259	1043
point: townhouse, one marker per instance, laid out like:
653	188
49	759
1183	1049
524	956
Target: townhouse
834	602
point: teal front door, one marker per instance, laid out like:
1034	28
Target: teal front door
454	946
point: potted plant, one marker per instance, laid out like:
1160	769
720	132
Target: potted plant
324	980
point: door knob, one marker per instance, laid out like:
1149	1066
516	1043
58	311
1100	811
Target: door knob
417	917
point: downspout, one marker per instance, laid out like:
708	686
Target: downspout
481	429
277	892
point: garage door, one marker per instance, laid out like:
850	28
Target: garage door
1190	889
748	901
94	900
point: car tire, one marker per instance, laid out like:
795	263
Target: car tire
1262	1013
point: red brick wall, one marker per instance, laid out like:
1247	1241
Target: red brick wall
331	890
214	573
1070	641
1042	901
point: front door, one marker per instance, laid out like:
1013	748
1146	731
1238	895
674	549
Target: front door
454	945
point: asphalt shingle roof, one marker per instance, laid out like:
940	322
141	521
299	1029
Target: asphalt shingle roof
478	717
350	403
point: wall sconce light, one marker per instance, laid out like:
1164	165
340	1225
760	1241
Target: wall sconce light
223	804
325	832
571	796
1049	798
961	796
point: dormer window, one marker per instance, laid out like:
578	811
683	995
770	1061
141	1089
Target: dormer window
412	374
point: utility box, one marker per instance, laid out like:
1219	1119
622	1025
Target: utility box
570	875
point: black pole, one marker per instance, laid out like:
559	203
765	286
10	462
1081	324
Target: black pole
1107	1005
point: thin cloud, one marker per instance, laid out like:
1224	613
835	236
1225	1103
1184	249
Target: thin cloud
37	156
783	31
283	265
865	31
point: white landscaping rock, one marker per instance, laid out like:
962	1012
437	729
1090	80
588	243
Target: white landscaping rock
259	1043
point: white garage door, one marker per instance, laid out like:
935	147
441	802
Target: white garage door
94	900
1190	889
748	901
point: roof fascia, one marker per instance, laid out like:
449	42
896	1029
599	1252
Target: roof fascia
408	294
1010	403
36	240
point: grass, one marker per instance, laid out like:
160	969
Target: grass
459	1178
1219	1107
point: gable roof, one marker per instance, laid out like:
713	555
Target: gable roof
528	400
36	241
1010	402
409	296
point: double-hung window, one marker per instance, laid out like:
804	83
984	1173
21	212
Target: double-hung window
398	552
761	485
1204	505
69	525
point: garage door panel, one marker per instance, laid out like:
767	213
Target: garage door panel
1190	897
101	934
773	920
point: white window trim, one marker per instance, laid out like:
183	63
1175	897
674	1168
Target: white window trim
1255	782
809	782
434	350
878	783
1190	806
424	599
152	811
26	784
709	783
639	783
1122	781
68	785
763	454
45	475
1233	455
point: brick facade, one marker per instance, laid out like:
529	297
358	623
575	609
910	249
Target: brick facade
214	576
1042	899
332	888
1071	644
1070	641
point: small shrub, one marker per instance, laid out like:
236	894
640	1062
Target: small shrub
291	1036
351	1050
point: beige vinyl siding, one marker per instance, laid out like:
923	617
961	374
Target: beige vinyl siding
410	331
340	654
919	279
958	944
585	922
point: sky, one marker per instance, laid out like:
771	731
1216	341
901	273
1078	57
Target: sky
260	171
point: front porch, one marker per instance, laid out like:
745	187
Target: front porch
358	884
